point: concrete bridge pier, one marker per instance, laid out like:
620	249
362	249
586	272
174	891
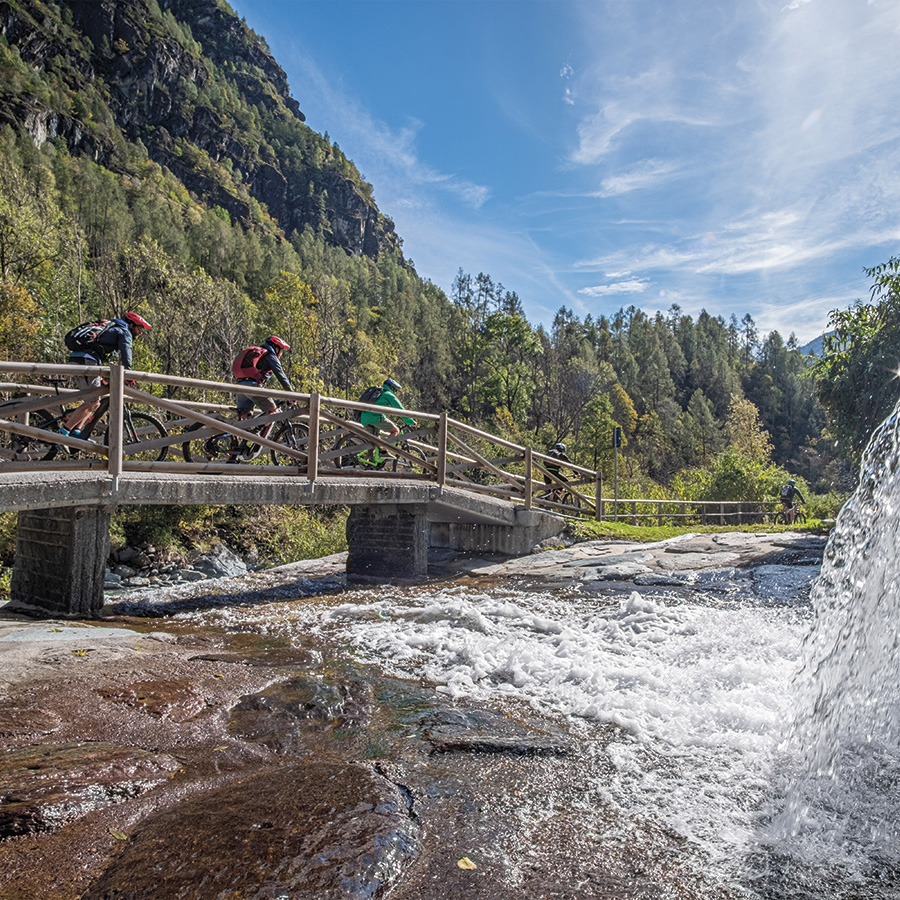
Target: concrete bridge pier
61	559
387	542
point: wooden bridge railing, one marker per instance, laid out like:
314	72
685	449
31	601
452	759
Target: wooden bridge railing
319	437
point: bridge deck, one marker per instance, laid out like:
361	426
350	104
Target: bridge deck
60	489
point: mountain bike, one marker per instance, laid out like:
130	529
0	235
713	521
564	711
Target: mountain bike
222	447
559	495
137	427
782	517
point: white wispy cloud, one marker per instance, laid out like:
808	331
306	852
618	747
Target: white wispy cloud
387	156
566	74
806	318
643	176
788	164
634	286
632	102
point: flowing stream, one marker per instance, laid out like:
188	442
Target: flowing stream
762	732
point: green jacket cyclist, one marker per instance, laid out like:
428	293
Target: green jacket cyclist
378	422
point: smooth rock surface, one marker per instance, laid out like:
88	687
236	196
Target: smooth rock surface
304	830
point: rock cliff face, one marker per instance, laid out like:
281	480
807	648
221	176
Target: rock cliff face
201	92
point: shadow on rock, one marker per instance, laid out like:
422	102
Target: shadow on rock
170	606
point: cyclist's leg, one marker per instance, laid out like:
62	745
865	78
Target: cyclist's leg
372	456
244	405
76	420
252	451
567	496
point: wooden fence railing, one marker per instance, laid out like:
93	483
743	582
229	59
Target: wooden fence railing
191	429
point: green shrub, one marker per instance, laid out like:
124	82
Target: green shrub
824	506
734	476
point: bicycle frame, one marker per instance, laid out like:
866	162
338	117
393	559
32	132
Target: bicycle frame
248	452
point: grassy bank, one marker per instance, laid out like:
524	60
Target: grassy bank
591	531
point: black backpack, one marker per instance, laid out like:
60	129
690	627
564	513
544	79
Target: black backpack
370	395
85	336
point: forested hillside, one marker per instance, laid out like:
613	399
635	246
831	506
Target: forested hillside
153	158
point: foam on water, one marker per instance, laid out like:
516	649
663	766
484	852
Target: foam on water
699	691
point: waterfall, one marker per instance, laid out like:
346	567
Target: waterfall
837	814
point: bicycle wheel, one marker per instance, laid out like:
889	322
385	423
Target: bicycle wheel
145	427
353	446
214	448
799	517
248	452
567	498
401	464
17	447
543	496
294	436
780	518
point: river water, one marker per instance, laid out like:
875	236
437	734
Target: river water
761	733
716	724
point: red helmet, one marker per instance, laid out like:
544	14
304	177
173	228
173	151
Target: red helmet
276	341
134	319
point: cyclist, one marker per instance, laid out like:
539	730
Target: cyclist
788	492
256	365
117	337
376	423
557	451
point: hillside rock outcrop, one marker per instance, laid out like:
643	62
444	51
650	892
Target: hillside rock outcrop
189	83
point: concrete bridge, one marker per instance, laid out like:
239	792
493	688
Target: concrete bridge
446	484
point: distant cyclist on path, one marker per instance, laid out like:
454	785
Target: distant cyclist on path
788	492
557	451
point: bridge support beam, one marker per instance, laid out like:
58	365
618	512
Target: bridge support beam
387	542
61	556
505	540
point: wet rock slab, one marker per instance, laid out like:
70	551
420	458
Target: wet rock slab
780	582
483	731
177	700
307	830
280	716
689	559
14	720
43	788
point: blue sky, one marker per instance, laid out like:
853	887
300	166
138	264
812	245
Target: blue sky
739	157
